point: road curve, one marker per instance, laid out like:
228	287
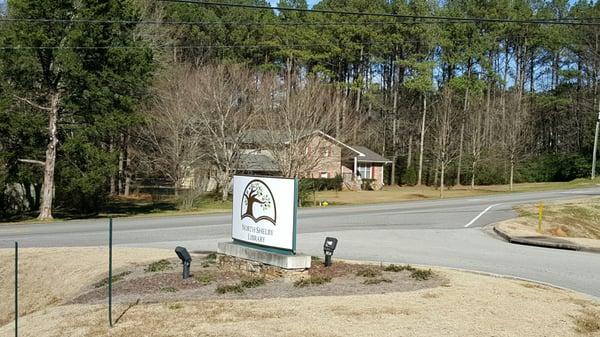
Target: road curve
449	232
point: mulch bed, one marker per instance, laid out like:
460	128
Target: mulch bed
167	285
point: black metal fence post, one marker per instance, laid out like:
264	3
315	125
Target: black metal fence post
16	289
110	230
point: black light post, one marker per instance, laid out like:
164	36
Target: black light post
186	260
328	248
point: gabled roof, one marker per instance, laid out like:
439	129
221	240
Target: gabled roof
262	136
367	155
257	162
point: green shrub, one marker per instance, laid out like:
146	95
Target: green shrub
158	266
368	272
204	278
308	186
312	280
252	282
233	288
396	268
366	184
421	274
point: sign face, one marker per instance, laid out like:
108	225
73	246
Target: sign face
264	211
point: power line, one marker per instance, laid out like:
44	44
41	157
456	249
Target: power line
202	23
238	46
414	18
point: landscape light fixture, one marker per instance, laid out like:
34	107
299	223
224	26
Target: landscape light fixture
328	248
186	260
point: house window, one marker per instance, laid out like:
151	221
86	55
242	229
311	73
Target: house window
326	152
324	175
364	170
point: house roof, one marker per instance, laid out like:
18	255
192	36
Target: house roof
272	137
256	162
367	155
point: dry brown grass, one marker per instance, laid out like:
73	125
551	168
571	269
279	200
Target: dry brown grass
475	305
393	194
588	322
51	276
573	218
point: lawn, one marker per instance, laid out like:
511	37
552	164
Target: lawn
463	304
393	194
578	218
144	205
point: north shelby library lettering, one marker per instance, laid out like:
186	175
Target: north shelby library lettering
264	211
257	233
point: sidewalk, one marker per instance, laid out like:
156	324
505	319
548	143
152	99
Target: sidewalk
514	232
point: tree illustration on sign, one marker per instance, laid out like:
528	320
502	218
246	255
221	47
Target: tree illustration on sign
258	194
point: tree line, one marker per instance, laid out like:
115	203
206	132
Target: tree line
90	91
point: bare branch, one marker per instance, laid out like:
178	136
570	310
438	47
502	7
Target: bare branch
32	161
35	105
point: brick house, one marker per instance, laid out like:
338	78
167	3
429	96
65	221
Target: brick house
331	157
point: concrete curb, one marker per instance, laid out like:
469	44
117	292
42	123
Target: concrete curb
540	242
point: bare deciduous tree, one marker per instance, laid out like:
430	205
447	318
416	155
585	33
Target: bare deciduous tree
225	100
445	120
172	145
297	127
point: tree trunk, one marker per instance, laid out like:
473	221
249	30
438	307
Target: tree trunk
473	166
442	171
460	151
512	173
49	165
409	156
127	169
120	175
420	173
224	186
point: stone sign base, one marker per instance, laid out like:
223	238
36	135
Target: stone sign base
274	259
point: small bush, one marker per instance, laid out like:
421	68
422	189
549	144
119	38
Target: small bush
252	282
421	274
589	322
115	278
368	272
312	280
204	278
175	306
366	184
211	257
168	289
158	266
396	268
378	280
315	258
234	288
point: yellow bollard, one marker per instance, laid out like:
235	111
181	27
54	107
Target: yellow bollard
540	216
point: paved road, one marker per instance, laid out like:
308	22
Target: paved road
435	232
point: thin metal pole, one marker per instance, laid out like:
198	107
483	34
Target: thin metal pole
16	289
110	230
595	147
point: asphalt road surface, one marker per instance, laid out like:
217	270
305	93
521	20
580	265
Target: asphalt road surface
448	232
